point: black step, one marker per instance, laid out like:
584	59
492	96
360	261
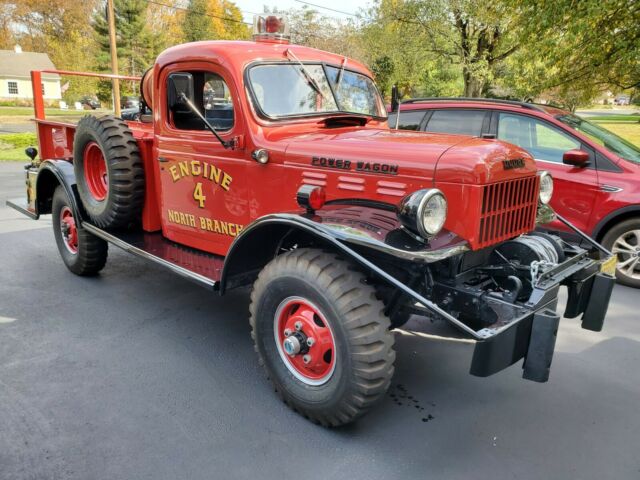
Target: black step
201	267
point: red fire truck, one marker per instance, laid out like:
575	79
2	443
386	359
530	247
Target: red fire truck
272	165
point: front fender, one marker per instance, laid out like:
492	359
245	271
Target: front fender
356	227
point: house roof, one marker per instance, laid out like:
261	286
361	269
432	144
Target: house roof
19	65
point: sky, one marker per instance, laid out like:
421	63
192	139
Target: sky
249	7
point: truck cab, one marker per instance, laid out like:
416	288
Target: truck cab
272	165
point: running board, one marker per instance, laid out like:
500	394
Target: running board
22	206
200	267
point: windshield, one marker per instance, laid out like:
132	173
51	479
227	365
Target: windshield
291	89
603	137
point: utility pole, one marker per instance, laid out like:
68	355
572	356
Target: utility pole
114	56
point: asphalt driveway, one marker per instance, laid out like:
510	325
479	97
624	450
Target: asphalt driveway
138	374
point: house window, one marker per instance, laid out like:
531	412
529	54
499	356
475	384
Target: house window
42	85
13	88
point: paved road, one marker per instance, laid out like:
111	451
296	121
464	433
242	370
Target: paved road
137	374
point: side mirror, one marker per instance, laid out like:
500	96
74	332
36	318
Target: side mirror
179	84
577	158
395	99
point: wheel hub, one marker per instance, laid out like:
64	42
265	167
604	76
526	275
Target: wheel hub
69	230
95	171
304	340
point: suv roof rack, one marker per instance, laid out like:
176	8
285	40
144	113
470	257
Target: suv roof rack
530	106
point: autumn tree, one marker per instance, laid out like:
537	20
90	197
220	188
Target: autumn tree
59	28
213	20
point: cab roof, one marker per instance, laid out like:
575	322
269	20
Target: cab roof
238	54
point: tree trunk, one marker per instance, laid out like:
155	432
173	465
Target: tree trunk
472	85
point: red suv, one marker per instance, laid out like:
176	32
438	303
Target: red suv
596	173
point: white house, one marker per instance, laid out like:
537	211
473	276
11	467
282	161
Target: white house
15	75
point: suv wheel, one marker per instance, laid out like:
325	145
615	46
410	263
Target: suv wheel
624	240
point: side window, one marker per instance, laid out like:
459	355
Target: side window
213	99
409	120
541	140
462	122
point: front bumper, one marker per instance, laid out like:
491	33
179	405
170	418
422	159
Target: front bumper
532	336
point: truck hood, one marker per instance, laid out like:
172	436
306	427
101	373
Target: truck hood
428	157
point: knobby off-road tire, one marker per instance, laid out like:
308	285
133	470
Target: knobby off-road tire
109	172
82	253
333	304
623	240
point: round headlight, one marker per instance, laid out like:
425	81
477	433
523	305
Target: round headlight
424	212
546	187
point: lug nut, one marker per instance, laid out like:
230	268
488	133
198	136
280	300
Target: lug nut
298	326
287	332
306	358
310	341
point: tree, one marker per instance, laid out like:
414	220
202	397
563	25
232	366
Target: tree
213	20
55	27
475	34
133	44
576	46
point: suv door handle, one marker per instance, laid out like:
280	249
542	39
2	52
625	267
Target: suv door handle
610	188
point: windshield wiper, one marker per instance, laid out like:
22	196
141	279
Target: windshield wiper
305	73
194	109
341	72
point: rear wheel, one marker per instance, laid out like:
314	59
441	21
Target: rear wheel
624	240
109	171
322	336
82	252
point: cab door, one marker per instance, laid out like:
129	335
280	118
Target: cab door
575	188
203	184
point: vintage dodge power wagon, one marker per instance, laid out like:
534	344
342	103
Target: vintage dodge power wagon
272	165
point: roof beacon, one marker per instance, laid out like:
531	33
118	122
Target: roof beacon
270	28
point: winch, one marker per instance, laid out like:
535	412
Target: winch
529	256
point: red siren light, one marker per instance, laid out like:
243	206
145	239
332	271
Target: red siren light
270	28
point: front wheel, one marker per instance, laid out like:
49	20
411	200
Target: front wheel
624	240
322	336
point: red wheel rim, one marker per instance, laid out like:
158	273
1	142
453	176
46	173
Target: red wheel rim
95	171
69	229
305	340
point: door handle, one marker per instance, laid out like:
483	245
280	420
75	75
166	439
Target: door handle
163	159
610	188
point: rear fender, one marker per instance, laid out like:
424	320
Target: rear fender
51	174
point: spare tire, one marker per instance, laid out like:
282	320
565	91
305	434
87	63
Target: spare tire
109	172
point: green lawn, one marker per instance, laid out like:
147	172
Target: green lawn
628	131
28	112
12	146
635	118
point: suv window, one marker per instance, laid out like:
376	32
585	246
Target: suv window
409	120
540	139
213	98
462	122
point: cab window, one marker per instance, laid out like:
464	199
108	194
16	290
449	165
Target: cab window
461	122
213	99
540	139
